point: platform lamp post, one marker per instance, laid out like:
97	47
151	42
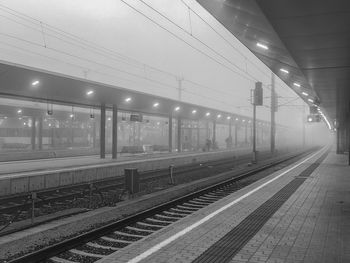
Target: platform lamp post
257	101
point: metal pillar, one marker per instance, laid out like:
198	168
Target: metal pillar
230	129
254	134
214	133
273	127
349	136
303	125
179	134
207	133
190	137
40	133
170	134
230	134
71	134
94	134
103	132
33	133
236	135
114	132
52	133
339	119
246	134
198	134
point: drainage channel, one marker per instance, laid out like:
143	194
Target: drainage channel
229	245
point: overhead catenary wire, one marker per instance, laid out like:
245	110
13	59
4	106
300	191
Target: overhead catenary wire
65	34
221	36
92	47
252	78
82	45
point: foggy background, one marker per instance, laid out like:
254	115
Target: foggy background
154	46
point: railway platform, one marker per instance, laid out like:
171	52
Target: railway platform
33	175
298	214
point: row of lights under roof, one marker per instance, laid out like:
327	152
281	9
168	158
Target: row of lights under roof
71	115
297	85
286	72
155	105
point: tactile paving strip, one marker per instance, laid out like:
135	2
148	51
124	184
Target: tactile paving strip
229	245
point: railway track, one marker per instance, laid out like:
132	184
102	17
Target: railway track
100	242
97	194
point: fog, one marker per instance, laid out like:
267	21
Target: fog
152	50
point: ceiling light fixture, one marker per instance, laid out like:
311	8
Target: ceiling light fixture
155	105
177	108
36	82
305	94
310	100
128	99
90	92
207	114
296	84
262	46
284	70
194	111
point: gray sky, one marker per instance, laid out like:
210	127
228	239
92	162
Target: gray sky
110	42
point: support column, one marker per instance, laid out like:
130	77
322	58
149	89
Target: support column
349	135
236	135
190	137
303	125
214	134
115	132
170	134
339	117
254	134
207	133
71	134
198	134
40	133
246	134
52	134
230	134
33	133
179	134
273	128
103	132
94	134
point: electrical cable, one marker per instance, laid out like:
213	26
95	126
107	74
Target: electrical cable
197	39
125	72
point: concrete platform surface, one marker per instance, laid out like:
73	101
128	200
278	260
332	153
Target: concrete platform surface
27	166
313	225
28	176
22	166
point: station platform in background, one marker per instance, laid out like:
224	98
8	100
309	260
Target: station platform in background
311	225
17	177
11	167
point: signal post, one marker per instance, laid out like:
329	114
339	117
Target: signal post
257	101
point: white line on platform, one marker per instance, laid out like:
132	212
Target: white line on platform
183	232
